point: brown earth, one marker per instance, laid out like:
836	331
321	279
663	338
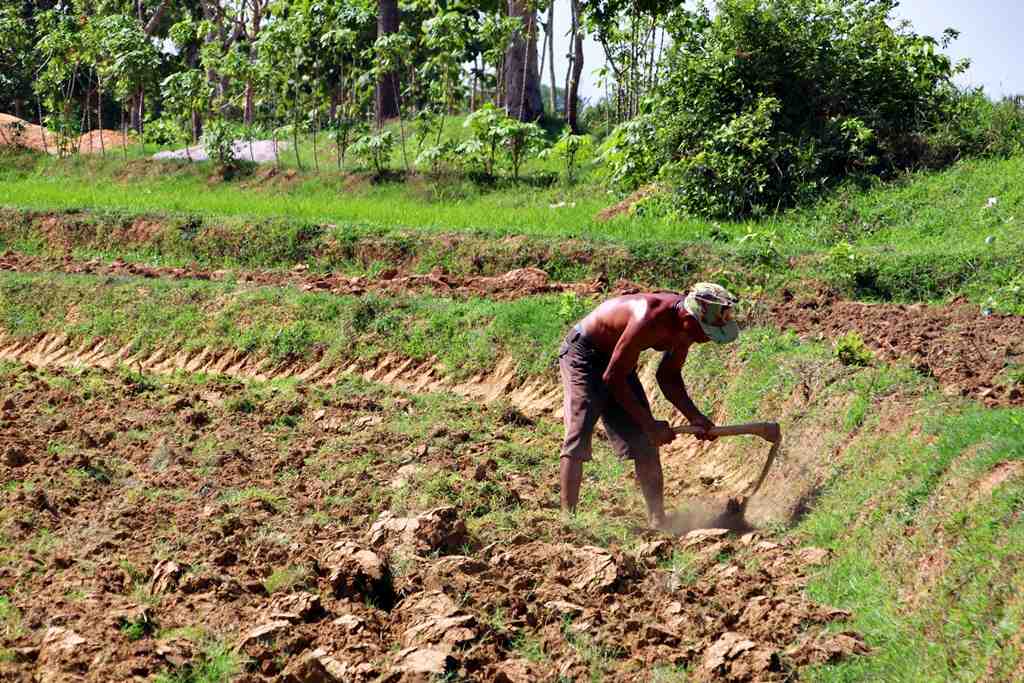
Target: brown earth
966	351
511	285
625	207
142	519
15	132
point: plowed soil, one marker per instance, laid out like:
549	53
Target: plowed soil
966	351
352	534
511	285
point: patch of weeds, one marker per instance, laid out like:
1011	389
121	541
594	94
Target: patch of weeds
851	350
42	543
1012	375
56	447
496	619
195	634
139	584
217	664
682	567
241	404
285	579
10	619
597	657
670	673
274	500
530	648
136	629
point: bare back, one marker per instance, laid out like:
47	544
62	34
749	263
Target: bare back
653	321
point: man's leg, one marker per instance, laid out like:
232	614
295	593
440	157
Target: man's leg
629	441
652	486
570	477
583	401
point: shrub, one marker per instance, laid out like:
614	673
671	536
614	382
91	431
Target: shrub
851	350
631	154
219	140
374	150
767	102
570	150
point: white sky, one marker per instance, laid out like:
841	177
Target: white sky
991	35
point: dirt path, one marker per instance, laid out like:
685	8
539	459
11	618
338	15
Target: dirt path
967	352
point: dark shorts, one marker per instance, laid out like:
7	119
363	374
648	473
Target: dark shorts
587	398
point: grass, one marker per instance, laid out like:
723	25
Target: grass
285	579
464	335
217	664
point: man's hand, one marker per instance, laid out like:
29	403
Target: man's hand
661	433
702	421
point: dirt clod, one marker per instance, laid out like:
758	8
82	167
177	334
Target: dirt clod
440	529
355	572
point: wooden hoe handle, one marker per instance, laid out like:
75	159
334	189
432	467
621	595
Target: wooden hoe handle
769	431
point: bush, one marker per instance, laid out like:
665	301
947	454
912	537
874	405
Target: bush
570	150
851	350
768	102
164	131
219	141
374	150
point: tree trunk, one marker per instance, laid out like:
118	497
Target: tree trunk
576	69
138	103
551	66
386	96
522	79
250	105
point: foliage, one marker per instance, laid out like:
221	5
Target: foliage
851	350
218	140
17	58
570	150
630	153
374	150
765	103
485	124
519	139
493	131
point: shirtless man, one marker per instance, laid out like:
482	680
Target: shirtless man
598	362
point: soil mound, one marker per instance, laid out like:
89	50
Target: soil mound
16	132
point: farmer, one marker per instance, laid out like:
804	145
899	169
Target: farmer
598	362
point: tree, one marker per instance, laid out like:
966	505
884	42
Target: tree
17	62
386	98
522	79
572	85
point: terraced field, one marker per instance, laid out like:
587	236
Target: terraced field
263	452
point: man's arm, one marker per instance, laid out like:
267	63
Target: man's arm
670	379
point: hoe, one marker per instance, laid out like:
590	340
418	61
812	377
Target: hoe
769	431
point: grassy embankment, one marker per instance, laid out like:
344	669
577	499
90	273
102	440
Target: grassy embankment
928	237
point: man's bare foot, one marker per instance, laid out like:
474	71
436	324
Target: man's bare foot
658	522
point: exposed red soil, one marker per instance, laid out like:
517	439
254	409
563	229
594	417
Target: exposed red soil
511	285
625	207
127	502
955	343
15	132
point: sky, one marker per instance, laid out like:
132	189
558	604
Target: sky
991	36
